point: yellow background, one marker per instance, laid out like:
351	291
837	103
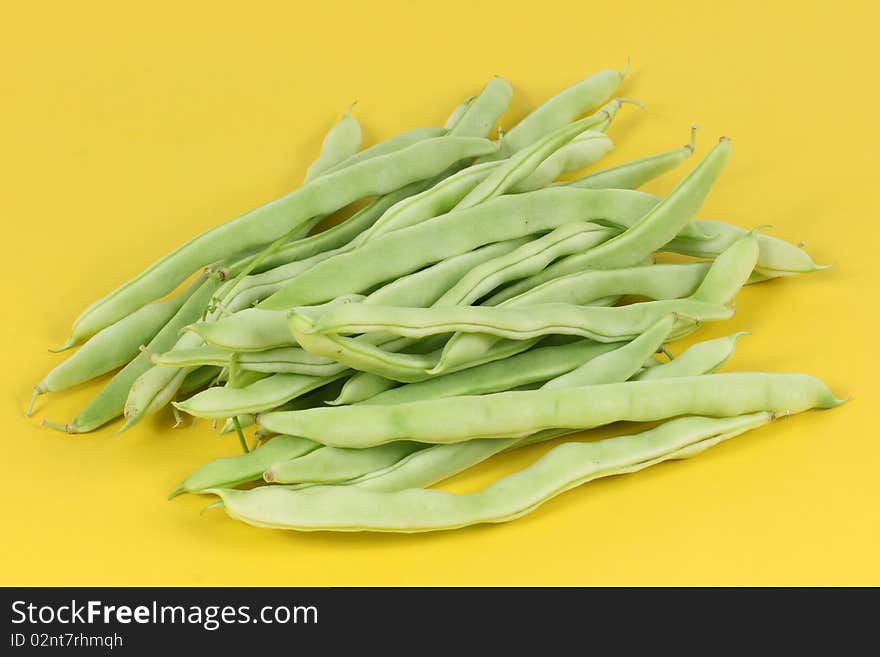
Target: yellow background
127	127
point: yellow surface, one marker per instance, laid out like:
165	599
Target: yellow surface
127	128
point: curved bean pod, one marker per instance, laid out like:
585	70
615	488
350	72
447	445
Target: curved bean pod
776	257
527	260
342	141
525	162
584	150
619	364
517	323
326	194
702	358
501	219
350	508
511	414
534	365
254	329
561	109
362	386
485	110
432	202
261	396
232	470
364	356
287	360
333	464
424	287
389	146
634	174
457	113
115	345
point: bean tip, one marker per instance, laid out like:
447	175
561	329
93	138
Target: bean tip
177	491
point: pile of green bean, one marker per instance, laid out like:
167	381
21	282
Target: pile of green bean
476	304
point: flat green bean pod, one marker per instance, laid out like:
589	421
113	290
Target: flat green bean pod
457	113
607	367
115	345
506	217
261	396
269	222
333	464
634	174
351	508
584	150
364	356
511	414
522	164
424	287
254	329
561	109
702	358
776	257
288	360
514	322
538	364
361	386
485	110
233	470
527	260
391	145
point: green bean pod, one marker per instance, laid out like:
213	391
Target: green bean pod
516	323
776	257
326	194
702	358
530	258
287	360
424	287
364	356
584	150
634	174
351	508
229	471
261	396
525	162
457	113
511	414
596	370
389	146
532	366
362	386
341	142
485	110
115	345
561	109
333	464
